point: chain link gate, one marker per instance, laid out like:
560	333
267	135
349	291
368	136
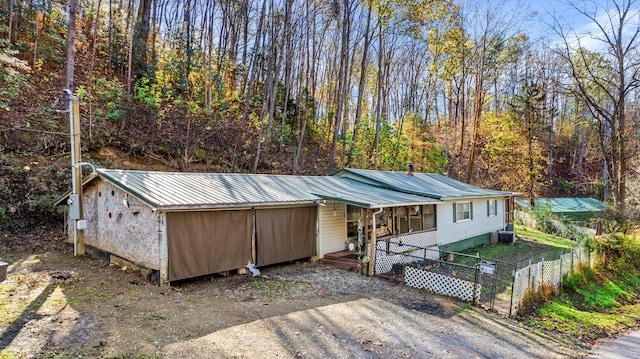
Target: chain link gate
482	281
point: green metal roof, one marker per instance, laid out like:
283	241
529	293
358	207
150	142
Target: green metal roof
182	190
423	184
355	193
566	205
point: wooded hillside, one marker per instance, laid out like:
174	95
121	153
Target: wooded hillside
485	93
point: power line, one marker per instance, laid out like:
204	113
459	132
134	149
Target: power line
18	128
36	109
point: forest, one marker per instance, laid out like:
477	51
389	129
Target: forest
488	92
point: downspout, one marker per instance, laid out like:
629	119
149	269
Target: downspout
372	244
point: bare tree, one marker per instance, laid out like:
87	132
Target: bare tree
605	85
71	41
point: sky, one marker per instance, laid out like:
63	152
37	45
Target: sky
538	18
590	33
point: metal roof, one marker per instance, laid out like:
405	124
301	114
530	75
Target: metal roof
353	192
423	184
567	205
183	190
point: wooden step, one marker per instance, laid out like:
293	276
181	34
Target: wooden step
339	263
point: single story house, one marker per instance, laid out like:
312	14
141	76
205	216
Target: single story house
184	225
577	209
466	215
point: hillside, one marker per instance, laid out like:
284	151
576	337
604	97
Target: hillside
235	87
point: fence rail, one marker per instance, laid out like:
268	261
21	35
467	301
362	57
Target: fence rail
531	278
468	277
494	284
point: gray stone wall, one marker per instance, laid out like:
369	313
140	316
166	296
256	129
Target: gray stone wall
122	225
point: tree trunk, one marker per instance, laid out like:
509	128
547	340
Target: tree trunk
342	80
361	86
141	38
71	41
376	141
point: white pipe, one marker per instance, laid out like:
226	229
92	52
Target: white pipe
372	244
72	136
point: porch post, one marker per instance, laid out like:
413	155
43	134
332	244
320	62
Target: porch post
372	244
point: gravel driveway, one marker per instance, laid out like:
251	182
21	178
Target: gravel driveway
55	305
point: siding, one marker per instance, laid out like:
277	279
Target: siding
131	232
332	228
450	232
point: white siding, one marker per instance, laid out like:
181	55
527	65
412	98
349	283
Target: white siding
450	232
332	228
130	232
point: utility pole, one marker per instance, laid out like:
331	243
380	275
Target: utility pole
75	199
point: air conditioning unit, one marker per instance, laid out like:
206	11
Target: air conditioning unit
506	236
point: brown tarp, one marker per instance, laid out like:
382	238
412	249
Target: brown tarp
285	234
208	242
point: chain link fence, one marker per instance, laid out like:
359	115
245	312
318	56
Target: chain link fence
492	284
530	278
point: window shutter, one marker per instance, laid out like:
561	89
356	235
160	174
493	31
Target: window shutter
488	209
470	210
495	205
455	213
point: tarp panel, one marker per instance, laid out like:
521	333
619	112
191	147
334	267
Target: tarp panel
285	234
208	242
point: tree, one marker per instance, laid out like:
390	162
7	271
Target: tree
71	41
613	80
527	107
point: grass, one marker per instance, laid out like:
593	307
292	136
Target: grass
530	244
591	306
544	238
269	288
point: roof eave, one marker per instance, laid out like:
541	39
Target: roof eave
146	200
227	206
62	199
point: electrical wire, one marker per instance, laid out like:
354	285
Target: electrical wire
18	128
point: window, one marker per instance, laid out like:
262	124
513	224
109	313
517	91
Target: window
384	223
415	218
429	216
462	211
353	215
401	220
492	208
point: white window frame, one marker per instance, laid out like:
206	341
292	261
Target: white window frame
493	208
461	211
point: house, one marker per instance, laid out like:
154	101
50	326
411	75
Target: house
577	209
184	225
465	215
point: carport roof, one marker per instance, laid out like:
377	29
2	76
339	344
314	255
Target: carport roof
567	205
188	190
424	184
193	191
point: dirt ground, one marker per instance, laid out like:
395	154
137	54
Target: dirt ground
54	305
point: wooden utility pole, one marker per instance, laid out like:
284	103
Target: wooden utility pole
75	199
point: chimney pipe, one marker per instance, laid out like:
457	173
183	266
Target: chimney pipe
410	173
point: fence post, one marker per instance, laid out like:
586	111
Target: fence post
529	280
560	281
475	285
514	274
571	268
541	273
